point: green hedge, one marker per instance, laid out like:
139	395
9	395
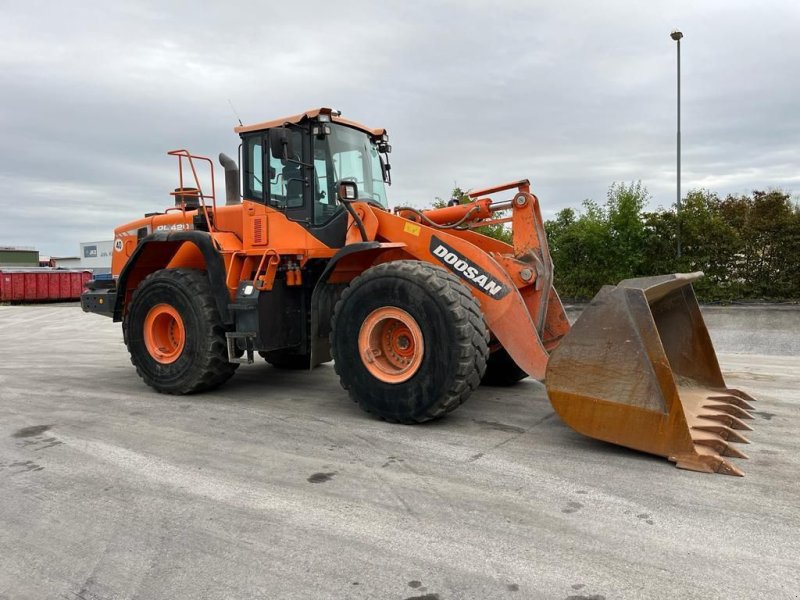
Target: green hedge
748	246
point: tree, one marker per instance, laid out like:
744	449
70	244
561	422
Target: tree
624	206
710	244
747	245
603	245
769	226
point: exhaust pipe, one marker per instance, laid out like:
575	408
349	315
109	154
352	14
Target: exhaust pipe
231	179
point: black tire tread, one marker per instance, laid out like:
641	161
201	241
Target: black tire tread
473	337
213	368
502	371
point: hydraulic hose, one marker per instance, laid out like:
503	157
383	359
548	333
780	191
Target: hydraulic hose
357	220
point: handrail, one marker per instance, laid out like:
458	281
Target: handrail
181	154
263	283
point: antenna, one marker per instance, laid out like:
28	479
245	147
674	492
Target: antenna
238	118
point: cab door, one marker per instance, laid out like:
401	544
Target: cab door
302	184
289	170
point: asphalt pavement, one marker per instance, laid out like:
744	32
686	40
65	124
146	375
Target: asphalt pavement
277	486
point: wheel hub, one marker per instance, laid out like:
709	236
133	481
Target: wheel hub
164	333
391	345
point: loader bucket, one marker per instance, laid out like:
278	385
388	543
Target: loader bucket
638	369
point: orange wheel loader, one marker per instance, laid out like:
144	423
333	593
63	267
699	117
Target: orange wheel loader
305	263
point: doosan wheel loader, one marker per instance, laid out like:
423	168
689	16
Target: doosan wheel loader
305	262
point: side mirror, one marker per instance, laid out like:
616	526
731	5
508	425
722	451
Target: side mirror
280	141
347	191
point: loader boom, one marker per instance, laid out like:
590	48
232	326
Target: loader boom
512	283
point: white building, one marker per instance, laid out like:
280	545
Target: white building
95	256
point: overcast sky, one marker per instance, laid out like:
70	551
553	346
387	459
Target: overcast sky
573	95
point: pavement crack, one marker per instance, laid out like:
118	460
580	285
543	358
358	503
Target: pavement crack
482	453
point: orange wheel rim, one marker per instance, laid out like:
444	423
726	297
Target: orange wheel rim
164	334
390	344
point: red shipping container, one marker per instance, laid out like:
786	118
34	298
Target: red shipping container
40	285
75	285
29	290
19	287
52	285
63	286
42	289
5	287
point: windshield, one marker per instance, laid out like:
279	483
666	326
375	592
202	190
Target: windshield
348	154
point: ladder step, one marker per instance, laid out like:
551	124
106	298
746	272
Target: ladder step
248	337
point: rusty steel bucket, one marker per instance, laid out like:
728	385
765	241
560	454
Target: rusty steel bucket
638	369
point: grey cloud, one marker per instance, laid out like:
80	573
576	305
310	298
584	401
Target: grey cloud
573	95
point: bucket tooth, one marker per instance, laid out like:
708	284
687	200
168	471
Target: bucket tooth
721	447
729	409
740	394
726	468
726	433
727	420
707	464
735	400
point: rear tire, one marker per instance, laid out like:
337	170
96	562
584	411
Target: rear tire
192	355
501	370
440	352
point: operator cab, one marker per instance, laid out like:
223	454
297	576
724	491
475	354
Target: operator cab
295	165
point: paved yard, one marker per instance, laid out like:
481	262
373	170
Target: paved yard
276	486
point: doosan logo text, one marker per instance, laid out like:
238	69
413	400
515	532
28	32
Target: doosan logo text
467	269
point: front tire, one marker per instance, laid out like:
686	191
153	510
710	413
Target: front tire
501	370
174	333
409	341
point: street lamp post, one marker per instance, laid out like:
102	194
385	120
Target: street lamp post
677	35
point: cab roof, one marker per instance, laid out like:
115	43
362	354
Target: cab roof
309	114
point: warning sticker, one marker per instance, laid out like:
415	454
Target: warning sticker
412	228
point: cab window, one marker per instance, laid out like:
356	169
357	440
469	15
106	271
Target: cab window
325	204
347	154
254	169
286	177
